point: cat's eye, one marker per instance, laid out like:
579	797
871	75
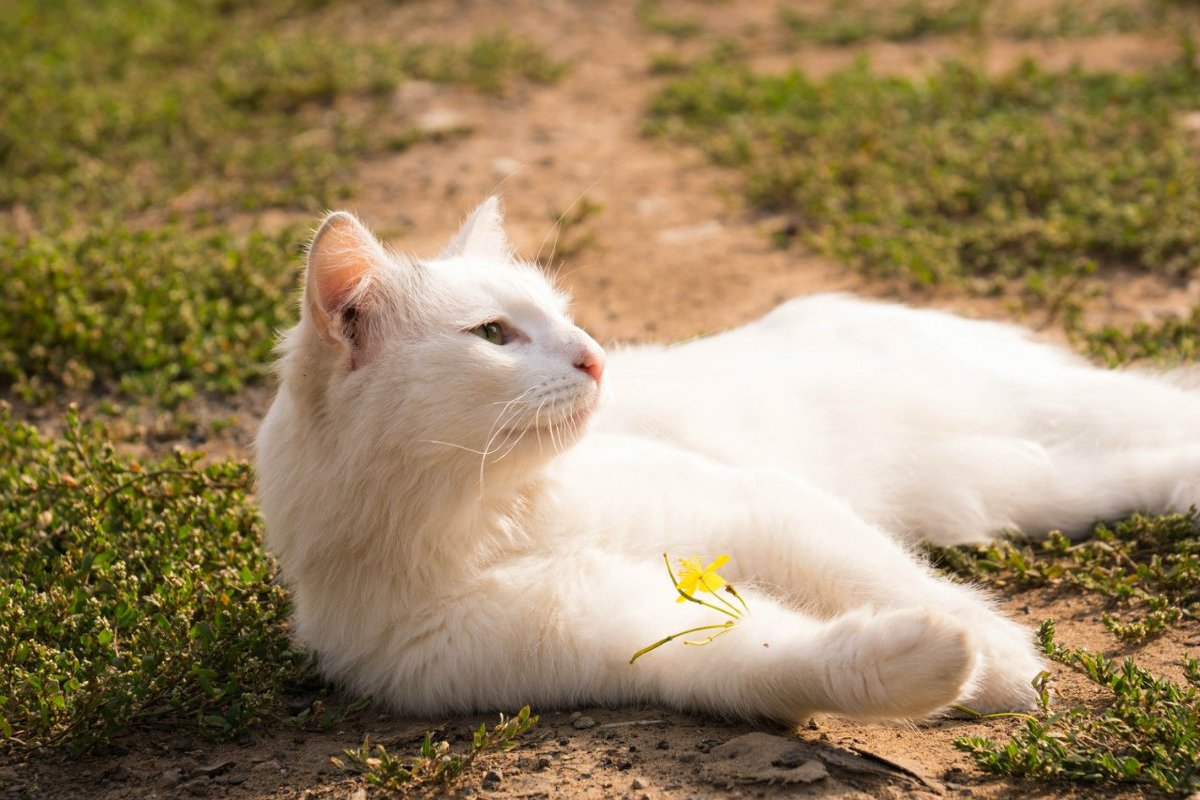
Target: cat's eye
490	331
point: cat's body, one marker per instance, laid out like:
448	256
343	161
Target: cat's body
466	524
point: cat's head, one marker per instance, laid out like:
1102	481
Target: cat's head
468	354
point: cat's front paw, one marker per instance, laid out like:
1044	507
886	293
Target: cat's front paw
900	664
1008	669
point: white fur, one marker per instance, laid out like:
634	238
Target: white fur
466	525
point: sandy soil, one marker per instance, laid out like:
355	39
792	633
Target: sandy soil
667	251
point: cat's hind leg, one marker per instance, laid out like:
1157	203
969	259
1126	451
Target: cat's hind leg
970	489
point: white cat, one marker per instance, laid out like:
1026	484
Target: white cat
470	504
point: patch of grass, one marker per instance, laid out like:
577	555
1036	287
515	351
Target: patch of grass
853	21
161	314
1074	19
436	764
117	118
116	109
1032	176
1148	568
574	230
1172	341
651	17
489	63
131	594
1147	731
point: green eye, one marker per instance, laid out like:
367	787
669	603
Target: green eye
490	331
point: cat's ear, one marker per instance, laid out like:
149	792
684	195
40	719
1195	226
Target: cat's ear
342	261
482	234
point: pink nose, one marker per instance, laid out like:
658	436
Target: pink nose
591	361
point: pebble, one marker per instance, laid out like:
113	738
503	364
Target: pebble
492	778
505	167
196	786
441	122
214	769
637	783
269	764
169	778
690	233
583	723
542	763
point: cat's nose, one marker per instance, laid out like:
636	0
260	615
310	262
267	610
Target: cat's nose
591	361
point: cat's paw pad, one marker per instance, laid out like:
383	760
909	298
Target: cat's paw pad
907	663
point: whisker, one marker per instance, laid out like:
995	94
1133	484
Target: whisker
455	446
496	429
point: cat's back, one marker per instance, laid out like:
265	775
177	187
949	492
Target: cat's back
825	382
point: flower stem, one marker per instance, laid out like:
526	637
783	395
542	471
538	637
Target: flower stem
726	625
735	613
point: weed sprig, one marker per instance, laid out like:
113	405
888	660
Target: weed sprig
436	763
1147	732
1148	567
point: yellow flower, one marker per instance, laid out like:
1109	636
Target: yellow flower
693	576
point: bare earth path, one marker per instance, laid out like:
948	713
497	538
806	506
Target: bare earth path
657	246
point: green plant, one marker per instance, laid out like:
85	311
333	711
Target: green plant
1147	567
848	22
131	594
960	177
162	314
436	763
1171	341
851	21
1145	732
193	108
652	18
176	117
572	230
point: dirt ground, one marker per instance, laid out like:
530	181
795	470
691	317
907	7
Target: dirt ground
666	251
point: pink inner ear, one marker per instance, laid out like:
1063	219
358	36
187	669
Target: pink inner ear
340	258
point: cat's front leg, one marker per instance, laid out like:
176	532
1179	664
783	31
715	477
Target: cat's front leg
817	550
800	544
775	663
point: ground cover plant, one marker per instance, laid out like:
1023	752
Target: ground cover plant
131	593
1031	178
850	21
131	132
436	764
960	176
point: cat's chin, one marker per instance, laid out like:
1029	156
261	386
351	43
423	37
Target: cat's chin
557	429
